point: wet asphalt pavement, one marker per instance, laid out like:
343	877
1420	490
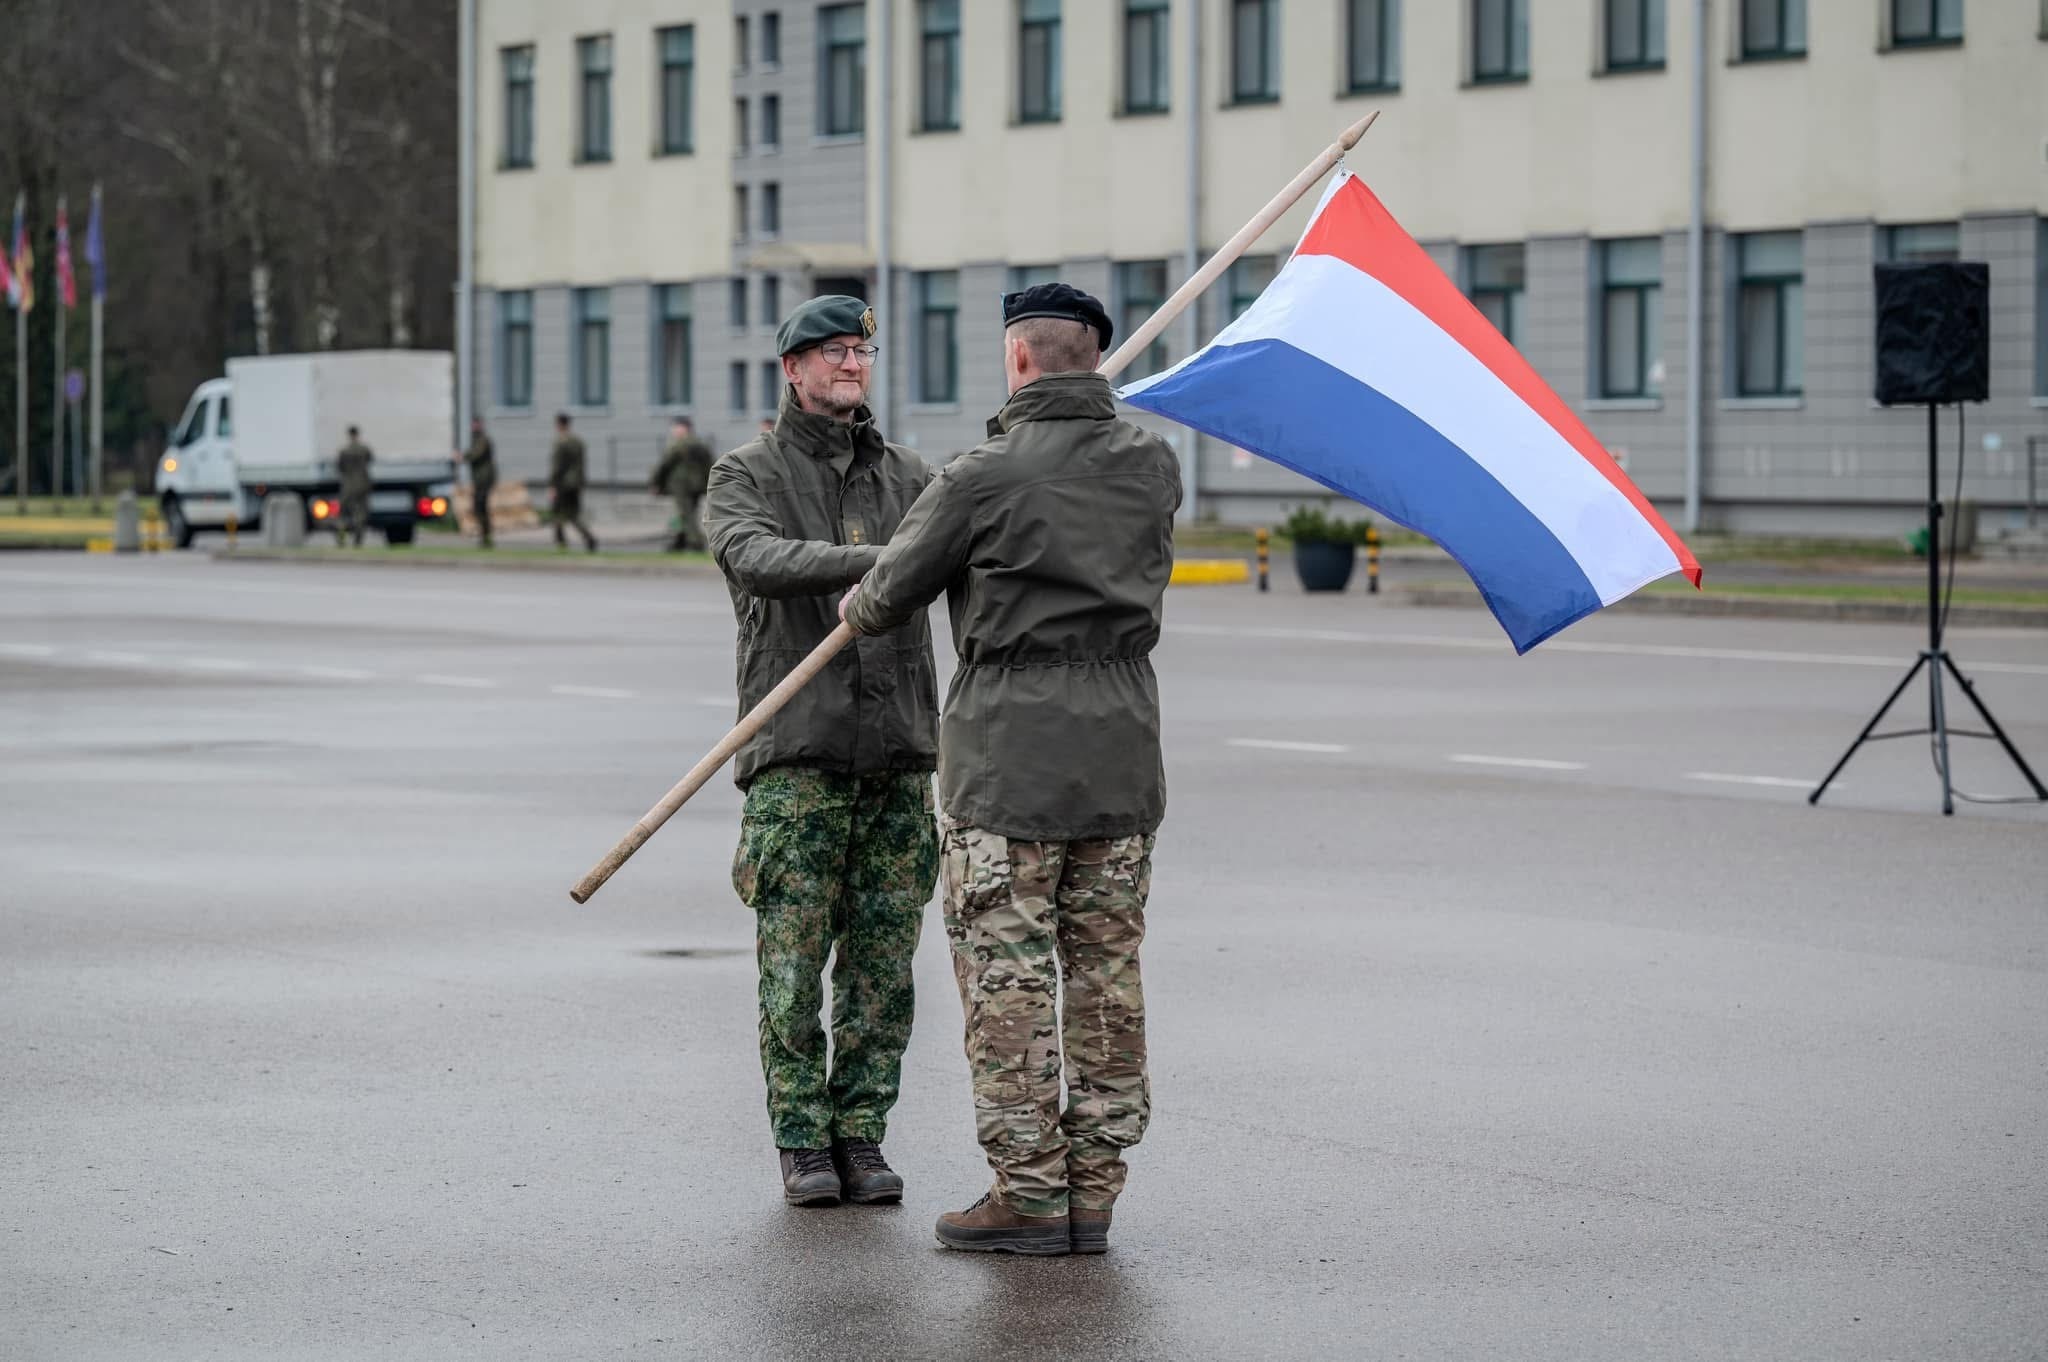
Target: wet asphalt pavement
1499	1007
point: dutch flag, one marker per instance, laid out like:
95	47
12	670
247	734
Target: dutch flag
1363	367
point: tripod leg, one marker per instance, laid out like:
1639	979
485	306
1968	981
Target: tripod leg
2040	791
1868	729
1937	724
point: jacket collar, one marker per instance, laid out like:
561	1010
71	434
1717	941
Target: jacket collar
821	437
1057	397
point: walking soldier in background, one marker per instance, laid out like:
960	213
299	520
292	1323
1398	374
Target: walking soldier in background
683	473
483	477
565	481
1054	542
837	843
352	465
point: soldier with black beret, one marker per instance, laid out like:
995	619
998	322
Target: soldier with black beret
837	844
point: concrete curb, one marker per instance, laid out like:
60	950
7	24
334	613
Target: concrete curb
480	561
1769	607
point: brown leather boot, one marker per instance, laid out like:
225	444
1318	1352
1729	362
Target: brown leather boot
864	1173
988	1226
808	1178
1088	1231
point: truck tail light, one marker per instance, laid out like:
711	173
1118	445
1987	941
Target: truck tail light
433	508
323	509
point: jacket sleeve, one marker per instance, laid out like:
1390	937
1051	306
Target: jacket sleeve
750	550
924	556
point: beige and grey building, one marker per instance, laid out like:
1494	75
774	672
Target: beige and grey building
1672	207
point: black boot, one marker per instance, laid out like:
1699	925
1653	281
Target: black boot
868	1178
808	1179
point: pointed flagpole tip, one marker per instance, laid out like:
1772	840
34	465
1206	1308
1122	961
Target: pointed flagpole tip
1357	130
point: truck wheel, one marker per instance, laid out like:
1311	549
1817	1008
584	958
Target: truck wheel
398	534
175	525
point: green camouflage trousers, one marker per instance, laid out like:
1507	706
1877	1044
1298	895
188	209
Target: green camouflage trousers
1025	918
831	860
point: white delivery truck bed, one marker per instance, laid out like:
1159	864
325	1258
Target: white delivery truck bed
292	412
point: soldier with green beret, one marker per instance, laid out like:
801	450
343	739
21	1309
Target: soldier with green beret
838	846
683	474
566	474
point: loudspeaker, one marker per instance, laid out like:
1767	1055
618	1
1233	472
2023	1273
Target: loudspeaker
1933	333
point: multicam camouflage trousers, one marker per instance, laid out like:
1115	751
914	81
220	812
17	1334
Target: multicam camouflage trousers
1025	918
831	860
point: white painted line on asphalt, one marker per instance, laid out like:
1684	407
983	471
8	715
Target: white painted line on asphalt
461	682
594	692
338	673
118	659
1556	645
1282	745
27	650
1774	782
1523	763
215	664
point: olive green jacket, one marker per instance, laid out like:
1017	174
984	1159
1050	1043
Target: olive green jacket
352	466
1053	541
795	516
684	471
482	461
565	465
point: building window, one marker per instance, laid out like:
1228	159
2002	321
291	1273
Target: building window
515	349
1500	40
1635	35
518	151
678	90
594	100
1148	55
1249	275
1926	23
1493	280
672	345
1773	28
938	353
740	120
739	212
1254	51
771	210
1038	61
771	39
771	384
842	70
1031	276
1371	43
736	386
740	42
1770	315
593	347
1140	289
1631	317
1925	243
736	303
771	299
938	66
771	122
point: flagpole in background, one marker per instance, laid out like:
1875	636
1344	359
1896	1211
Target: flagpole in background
57	366
757	717
20	296
96	256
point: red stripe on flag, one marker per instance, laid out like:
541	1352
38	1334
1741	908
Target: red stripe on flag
1356	227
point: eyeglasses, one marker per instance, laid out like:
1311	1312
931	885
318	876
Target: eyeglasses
835	353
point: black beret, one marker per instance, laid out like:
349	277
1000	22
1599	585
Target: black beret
1058	300
818	320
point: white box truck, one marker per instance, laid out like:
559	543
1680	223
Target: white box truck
275	423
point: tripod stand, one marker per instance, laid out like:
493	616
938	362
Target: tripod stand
1935	659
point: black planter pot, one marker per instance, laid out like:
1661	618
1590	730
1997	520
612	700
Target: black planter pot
1324	567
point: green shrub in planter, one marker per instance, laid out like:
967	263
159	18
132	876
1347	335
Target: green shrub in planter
1325	547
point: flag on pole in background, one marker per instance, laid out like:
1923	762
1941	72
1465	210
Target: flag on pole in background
96	248
21	289
1364	367
67	282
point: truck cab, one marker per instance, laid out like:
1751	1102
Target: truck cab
197	486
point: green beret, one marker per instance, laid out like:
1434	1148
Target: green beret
820	319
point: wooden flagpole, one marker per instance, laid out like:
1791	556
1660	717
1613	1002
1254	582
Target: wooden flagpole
757	717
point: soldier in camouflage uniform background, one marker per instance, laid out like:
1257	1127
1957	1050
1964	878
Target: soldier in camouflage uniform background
483	477
352	465
683	473
565	481
1053	541
837	843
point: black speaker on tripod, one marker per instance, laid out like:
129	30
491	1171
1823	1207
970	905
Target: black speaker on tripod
1934	347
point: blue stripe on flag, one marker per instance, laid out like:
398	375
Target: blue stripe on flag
1290	407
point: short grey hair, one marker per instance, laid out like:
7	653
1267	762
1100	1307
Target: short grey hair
1058	345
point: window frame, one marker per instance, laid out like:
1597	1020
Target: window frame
1268	76
771	124
742	115
1514	296
946	312
1933	37
1647	298
1156	16
742	212
594	143
1644	61
771	40
1238	300
586	325
829	50
516	142
677	127
1778	282
1890	235
515	368
770	374
736	303
1780	50
940	38
1515	21
736	386
1389	78
667	316
771	209
1134	307
1050	31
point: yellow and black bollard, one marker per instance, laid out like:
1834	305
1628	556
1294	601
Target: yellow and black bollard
1372	560
232	527
1264	538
